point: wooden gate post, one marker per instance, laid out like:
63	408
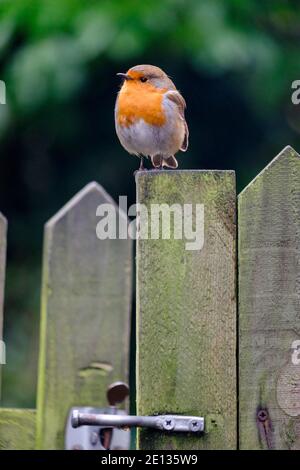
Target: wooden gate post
269	306
85	317
3	229
186	308
17	427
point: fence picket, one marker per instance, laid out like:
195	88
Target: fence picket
17	429
186	312
269	302
3	231
86	295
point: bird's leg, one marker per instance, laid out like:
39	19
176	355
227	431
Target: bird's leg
141	168
161	163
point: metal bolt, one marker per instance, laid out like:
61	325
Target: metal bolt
168	424
94	438
195	425
75	418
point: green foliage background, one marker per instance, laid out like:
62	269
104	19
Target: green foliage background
234	61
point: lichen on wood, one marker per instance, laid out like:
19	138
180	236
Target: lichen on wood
269	302
186	313
85	314
17	429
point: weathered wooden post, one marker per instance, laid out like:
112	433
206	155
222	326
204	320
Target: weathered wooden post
17	427
269	306
186	306
86	298
3	230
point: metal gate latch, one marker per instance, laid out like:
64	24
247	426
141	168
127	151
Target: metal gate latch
108	425
174	423
95	436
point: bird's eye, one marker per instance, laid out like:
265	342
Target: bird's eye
143	79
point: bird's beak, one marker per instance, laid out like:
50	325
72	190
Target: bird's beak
125	76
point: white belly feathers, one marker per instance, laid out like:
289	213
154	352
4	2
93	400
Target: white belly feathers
142	138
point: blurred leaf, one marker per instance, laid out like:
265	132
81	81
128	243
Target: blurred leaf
126	45
48	70
6	34
95	33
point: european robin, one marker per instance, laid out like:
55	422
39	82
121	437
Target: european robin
149	116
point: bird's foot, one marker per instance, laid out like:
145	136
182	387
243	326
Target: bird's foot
141	167
157	168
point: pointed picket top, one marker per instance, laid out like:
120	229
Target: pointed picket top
269	302
3	219
287	156
86	295
92	189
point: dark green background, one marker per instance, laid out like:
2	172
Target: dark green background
233	60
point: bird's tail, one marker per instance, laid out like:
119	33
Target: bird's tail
169	162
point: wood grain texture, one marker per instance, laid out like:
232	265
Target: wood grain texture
269	305
85	317
3	231
186	313
17	429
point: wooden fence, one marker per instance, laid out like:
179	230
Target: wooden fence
85	319
195	355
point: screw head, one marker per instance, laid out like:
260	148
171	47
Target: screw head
195	425
168	424
262	415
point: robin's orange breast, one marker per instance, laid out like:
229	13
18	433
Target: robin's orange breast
143	101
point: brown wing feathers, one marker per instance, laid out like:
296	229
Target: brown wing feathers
178	99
